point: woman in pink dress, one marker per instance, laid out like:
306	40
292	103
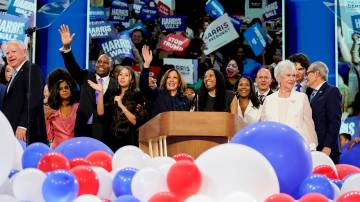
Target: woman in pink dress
60	121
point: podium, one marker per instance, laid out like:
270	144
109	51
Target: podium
170	133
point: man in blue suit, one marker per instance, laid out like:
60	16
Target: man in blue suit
325	101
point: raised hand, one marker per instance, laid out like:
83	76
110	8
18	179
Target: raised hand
66	37
147	55
95	86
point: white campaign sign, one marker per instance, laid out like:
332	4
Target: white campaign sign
219	33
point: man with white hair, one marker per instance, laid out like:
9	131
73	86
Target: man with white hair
23	103
325	101
263	82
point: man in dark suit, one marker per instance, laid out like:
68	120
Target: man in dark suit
2	94
23	102
263	82
88	122
325	101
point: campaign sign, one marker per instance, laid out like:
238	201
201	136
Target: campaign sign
97	13
148	13
163	9
351	125
214	8
122	3
187	68
119	47
100	30
173	23
219	33
119	13
272	11
175	43
256	38
21	7
138	25
12	28
355	20
137	8
236	21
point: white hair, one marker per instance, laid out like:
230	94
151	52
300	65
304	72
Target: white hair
322	68
21	44
283	66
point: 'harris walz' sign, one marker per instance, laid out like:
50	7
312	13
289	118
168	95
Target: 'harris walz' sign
119	47
173	23
100	30
12	28
21	7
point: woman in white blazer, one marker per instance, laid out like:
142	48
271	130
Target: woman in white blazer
290	107
249	108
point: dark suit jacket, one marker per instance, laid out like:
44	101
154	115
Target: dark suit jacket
16	103
2	94
326	113
87	105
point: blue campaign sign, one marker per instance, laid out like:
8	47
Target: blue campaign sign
137	8
12	28
21	7
355	20
173	23
138	25
256	38
119	47
119	13
236	21
119	3
100	30
97	13
351	125
272	10
214	8
148	13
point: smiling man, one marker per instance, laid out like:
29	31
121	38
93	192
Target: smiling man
88	122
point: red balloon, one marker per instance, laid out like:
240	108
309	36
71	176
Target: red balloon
352	196
281	197
345	169
53	161
325	170
163	197
79	162
183	156
87	179
313	197
100	159
184	179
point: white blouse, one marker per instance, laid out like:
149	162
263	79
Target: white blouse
251	114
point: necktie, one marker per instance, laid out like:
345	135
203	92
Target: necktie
298	87
313	94
12	79
261	99
101	81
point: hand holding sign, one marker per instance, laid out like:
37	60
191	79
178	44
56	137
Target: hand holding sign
66	37
147	55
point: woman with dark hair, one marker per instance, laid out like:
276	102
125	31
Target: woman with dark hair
60	121
213	97
233	71
6	74
249	108
129	110
170	94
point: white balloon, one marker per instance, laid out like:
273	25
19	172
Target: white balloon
230	168
87	198
146	182
164	169
105	182
7	148
336	190
7	198
17	165
319	158
129	156
158	162
351	183
27	185
239	197
199	198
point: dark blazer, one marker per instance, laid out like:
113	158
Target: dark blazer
16	103
87	104
326	113
2	94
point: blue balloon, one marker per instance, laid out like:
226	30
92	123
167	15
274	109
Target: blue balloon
23	144
339	183
33	153
127	198
60	186
80	147
317	184
12	173
284	148
351	156
122	181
